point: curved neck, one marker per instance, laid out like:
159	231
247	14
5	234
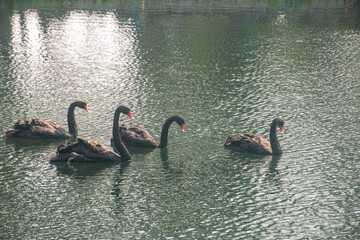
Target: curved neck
165	132
71	120
119	145
275	145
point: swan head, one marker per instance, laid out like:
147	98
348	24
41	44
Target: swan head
124	110
280	122
181	122
83	105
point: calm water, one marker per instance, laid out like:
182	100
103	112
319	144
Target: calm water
228	67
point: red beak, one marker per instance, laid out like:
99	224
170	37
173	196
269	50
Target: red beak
130	115
86	108
182	127
282	129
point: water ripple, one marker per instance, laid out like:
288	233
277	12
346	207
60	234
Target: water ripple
227	71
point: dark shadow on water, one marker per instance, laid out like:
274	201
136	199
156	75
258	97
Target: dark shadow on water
246	157
163	154
34	146
23	142
269	162
118	178
140	150
164	158
273	164
86	169
170	169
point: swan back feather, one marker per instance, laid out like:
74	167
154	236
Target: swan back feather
83	150
37	128
135	136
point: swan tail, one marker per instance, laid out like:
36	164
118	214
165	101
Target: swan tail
10	133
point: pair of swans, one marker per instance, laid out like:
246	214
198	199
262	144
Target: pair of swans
82	150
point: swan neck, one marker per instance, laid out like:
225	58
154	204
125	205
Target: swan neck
274	141
119	145
165	132
71	120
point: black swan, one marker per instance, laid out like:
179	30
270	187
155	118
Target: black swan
39	128
252	143
83	150
138	137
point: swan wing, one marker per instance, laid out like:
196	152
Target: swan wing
48	129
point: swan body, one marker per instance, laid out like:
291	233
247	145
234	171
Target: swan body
253	143
138	137
39	128
83	150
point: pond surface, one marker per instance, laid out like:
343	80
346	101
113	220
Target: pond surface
228	67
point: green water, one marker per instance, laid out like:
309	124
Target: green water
228	67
